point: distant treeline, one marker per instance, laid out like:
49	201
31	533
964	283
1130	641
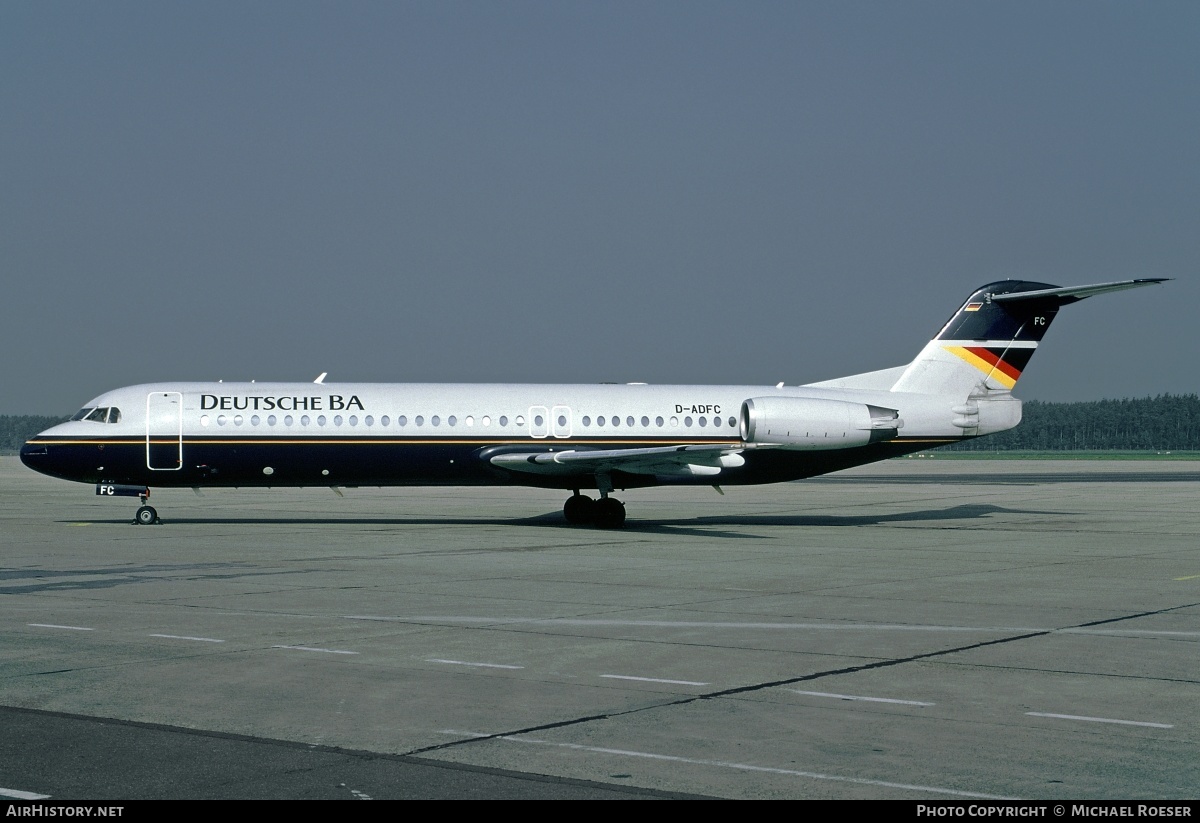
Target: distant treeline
15	429
1164	423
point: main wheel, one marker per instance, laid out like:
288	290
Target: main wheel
610	513
146	516
579	508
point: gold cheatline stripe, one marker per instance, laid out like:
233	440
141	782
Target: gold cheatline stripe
415	442
374	441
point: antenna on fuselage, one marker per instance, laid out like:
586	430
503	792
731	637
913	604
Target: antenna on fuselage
321	377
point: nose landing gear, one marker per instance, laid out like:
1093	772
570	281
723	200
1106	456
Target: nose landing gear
146	516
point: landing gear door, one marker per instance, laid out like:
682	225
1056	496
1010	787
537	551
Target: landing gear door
164	431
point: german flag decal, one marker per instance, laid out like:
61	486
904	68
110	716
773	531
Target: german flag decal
999	362
973	307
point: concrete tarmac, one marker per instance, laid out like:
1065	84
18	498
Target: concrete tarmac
918	629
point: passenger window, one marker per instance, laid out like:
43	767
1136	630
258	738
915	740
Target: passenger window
645	422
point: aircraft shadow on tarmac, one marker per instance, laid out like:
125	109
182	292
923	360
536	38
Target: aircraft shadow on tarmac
702	525
709	526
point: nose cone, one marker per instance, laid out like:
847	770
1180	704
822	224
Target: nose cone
36	455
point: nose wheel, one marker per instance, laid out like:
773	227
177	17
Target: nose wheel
145	515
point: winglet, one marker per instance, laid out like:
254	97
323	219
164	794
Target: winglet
321	377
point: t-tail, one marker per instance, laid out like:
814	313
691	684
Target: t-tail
988	343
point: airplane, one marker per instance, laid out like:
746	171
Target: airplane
570	437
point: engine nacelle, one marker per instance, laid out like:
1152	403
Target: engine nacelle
816	423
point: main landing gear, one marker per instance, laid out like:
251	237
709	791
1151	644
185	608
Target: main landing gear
605	513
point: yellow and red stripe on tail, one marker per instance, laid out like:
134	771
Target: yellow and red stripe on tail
1001	363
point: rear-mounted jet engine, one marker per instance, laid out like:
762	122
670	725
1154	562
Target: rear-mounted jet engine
814	423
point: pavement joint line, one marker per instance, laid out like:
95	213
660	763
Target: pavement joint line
755	687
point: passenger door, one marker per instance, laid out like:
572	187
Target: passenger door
164	431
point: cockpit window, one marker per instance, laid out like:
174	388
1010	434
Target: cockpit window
102	414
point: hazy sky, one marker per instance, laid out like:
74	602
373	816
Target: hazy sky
567	191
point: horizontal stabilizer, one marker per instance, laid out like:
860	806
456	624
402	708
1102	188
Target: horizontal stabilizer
1070	294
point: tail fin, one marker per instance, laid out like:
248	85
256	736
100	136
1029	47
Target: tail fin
990	340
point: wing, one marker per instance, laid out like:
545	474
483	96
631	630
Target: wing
697	460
